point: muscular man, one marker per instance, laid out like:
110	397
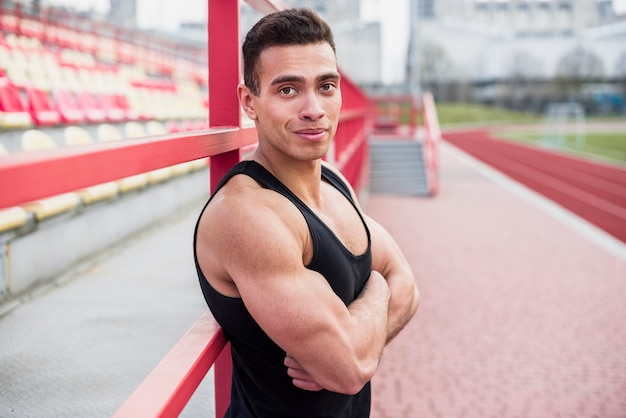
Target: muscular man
307	288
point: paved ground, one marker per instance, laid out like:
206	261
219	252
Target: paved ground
79	348
522	314
522	309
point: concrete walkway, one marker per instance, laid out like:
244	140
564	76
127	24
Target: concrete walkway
78	348
522	313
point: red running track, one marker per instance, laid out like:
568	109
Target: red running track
592	190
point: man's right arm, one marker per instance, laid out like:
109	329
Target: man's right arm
339	346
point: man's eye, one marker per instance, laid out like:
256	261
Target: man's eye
327	87
287	90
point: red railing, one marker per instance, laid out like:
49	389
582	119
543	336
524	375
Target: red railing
432	136
31	176
396	112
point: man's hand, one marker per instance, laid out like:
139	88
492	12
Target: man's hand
301	379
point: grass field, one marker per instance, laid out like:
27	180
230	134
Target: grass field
452	114
605	145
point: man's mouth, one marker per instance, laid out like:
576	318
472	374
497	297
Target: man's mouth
314	134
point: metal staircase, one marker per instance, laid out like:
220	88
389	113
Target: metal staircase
397	167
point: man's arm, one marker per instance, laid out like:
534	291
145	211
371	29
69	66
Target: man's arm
388	260
261	251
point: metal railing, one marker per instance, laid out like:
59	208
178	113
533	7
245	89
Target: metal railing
26	177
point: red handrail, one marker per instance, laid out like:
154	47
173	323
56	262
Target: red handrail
432	136
393	112
170	385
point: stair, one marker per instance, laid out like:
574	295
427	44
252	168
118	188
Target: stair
397	167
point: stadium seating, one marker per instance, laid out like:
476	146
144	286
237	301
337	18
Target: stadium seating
54	78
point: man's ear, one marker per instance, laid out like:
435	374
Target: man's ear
246	99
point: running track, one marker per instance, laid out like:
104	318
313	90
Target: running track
594	191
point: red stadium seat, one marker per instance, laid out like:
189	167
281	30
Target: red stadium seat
42	110
113	112
130	114
13	111
172	127
92	110
68	107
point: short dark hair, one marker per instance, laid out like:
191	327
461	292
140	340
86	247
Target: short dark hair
298	26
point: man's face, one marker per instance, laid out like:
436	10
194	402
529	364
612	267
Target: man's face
297	109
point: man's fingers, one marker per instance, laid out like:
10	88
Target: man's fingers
301	379
306	385
292	363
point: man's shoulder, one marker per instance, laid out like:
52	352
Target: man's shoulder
244	203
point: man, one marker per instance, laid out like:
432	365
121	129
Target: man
307	288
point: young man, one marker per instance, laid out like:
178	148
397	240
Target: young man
307	288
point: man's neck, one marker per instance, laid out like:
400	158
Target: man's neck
301	177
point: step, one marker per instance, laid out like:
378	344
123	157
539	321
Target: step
397	167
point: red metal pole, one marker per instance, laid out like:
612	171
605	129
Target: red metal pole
224	75
224	110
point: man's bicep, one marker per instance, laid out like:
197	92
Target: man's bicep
284	297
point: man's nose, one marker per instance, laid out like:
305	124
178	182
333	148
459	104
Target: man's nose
312	108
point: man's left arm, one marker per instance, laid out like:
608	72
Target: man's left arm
388	260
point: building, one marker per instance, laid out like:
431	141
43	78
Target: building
123	12
482	42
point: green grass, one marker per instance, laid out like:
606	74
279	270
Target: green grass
606	145
452	114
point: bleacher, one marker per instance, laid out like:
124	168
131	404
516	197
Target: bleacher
67	81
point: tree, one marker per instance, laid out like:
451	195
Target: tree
523	70
435	67
576	67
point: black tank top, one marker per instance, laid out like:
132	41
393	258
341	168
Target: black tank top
260	384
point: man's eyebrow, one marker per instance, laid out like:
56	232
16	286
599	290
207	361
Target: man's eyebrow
328	76
287	79
299	79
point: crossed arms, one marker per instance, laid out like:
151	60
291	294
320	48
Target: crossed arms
329	345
